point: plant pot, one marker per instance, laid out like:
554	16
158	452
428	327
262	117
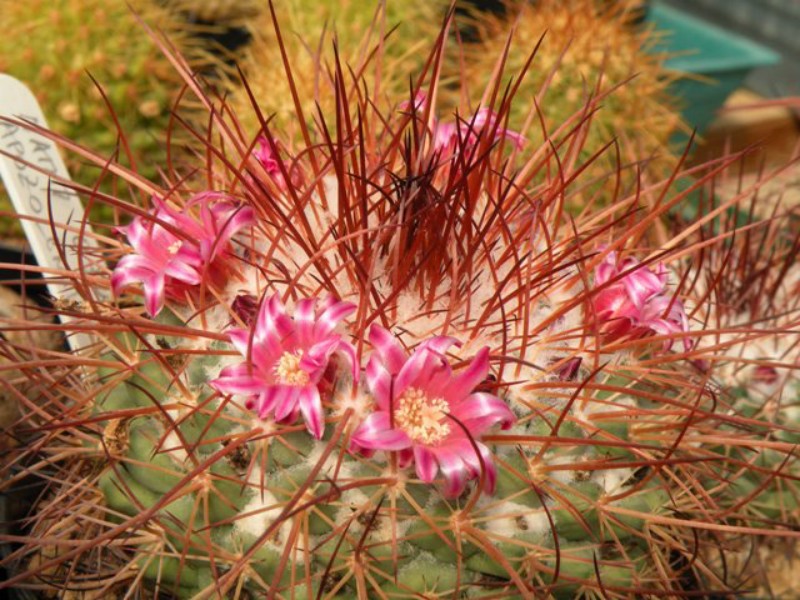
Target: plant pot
34	287
714	61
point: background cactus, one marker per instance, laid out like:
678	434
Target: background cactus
630	468
308	37
52	45
594	54
220	11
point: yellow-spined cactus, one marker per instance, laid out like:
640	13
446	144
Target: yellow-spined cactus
53	46
221	10
603	54
309	28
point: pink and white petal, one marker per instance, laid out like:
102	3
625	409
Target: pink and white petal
349	352
267	401
439	344
311	408
317	356
388	348
331	316
234	221
444	134
469	378
424	366
271	310
376	433
134	231
286	401
455	471
483	408
240	338
239	379
405	457
425	464
304	321
123	277
154	294
182	272
379	382
190	256
641	285
606	270
467	452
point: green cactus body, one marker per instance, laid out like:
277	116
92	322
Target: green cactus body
306	386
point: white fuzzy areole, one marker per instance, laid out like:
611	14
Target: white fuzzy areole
564	476
329	468
260	513
612	480
506	517
175	448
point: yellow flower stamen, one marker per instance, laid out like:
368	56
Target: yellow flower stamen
422	418
288	369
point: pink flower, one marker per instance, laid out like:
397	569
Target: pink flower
268	160
286	360
173	249
638	303
446	135
422	407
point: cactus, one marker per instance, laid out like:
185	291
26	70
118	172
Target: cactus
592	56
52	45
220	11
400	33
390	366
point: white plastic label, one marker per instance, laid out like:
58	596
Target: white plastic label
28	190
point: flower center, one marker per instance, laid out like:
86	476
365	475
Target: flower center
174	247
424	419
288	369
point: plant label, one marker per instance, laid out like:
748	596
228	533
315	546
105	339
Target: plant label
28	163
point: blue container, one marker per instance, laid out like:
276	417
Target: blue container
715	60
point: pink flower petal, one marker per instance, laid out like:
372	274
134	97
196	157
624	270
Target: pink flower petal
482	411
331	316
240	338
375	433
379	382
304	320
470	377
388	348
405	457
287	397
427	361
154	294
183	272
348	350
316	358
467	452
311	408
454	470
238	379
425	463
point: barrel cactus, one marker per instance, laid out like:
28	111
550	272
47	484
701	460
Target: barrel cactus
389	365
385	43
596	68
220	11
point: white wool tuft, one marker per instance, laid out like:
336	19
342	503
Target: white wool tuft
177	452
260	513
611	480
510	519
